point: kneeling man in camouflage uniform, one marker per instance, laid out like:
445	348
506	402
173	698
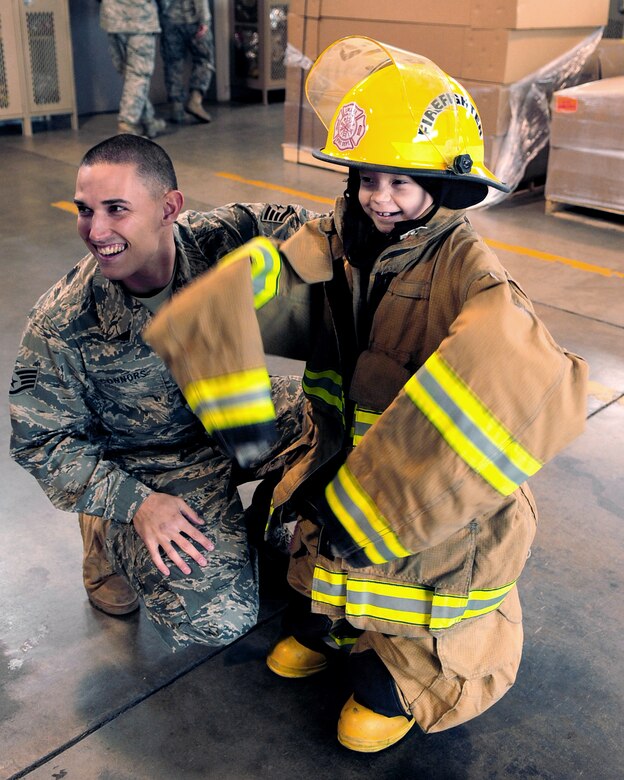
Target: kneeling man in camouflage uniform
102	426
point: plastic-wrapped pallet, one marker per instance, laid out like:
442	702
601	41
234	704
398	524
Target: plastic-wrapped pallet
586	160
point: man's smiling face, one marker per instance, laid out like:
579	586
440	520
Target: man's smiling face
121	219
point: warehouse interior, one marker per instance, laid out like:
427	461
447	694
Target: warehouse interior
87	696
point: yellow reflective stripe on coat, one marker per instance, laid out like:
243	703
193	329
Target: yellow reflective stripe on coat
363	419
326	386
266	265
329	587
232	400
364	523
403	604
469	427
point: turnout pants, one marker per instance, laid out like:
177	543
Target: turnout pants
446	679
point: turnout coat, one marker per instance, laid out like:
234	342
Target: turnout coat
417	443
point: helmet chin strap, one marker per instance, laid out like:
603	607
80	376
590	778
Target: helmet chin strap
402	229
438	193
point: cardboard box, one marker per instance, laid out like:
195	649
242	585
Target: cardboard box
503	14
505	56
442	44
605	62
610	53
537	14
492	101
590	116
586	177
496	56
302	127
453	12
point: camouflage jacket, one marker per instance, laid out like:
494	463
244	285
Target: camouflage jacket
96	417
185	11
129	16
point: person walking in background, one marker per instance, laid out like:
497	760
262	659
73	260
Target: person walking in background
187	30
132	27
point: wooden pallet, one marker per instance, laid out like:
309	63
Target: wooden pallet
611	219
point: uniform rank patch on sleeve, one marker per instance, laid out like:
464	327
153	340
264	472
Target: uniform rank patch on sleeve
23	379
276	213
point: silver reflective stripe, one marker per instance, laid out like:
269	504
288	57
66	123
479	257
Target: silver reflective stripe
470	430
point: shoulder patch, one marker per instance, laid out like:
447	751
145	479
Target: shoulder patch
23	379
276	213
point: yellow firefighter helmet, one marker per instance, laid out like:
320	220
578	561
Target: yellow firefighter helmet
389	109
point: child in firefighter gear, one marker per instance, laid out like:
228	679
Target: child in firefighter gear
433	393
100	423
187	30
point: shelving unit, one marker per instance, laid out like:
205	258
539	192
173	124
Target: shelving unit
260	33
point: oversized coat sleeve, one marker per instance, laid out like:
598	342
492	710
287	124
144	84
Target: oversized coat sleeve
213	336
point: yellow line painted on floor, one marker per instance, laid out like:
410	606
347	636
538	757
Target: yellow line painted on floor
579	265
65	205
604	393
267	186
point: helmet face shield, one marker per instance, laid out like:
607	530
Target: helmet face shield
389	109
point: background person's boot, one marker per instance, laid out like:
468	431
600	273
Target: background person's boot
154	127
195	107
127	127
177	113
107	591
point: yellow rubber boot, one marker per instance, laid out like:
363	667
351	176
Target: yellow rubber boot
107	591
366	731
290	658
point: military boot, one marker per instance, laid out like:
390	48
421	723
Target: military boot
107	591
155	127
177	113
128	127
195	107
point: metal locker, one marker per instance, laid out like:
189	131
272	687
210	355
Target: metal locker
38	76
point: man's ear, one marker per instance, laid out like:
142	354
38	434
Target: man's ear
173	202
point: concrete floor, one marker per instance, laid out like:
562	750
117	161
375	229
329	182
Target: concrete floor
86	696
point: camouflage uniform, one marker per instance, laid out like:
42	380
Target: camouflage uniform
100	423
179	20
132	26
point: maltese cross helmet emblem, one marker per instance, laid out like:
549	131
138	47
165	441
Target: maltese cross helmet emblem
349	127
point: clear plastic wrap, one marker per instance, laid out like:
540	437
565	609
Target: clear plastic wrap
529	126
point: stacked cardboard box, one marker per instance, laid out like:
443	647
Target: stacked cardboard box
606	61
586	161
488	45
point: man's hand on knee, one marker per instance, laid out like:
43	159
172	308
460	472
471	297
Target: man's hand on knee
168	523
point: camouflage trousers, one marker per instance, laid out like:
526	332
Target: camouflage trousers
134	56
217	603
176	42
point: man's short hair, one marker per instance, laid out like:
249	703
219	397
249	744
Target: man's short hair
152	161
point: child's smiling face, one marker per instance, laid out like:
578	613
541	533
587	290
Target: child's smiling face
389	198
